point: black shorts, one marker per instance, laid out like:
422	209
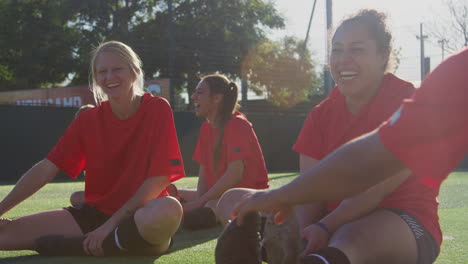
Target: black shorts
87	217
427	246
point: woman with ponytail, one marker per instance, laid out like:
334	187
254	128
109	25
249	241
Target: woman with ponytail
227	150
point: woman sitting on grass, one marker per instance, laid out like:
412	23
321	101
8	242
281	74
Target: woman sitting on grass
128	146
227	150
393	222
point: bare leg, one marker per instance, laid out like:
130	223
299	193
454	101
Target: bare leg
188	195
380	237
158	220
20	233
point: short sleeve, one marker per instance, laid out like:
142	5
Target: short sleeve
197	155
310	139
429	132
166	159
238	137
68	154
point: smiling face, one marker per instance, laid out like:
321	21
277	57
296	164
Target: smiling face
114	75
206	105
355	62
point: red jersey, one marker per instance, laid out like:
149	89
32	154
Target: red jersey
429	134
239	143
119	155
330	125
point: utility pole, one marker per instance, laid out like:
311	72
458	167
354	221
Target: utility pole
421	38
170	29
310	22
327	75
442	45
244	90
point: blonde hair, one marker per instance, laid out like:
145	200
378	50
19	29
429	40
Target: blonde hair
126	53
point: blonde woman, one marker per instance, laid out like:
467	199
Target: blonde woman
128	146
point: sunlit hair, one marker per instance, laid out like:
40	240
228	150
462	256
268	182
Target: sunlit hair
375	23
220	84
131	58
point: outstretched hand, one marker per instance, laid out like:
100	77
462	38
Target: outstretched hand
261	201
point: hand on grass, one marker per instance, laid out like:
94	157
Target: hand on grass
92	244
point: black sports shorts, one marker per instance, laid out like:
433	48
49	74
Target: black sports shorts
87	217
427	246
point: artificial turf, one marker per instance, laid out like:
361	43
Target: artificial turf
198	246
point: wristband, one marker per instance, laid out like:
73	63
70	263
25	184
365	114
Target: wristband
324	227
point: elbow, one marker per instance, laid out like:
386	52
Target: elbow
46	170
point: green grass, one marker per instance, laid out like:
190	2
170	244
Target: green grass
198	247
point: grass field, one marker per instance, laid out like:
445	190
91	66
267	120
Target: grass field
198	247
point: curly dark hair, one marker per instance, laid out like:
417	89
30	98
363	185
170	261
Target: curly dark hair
375	23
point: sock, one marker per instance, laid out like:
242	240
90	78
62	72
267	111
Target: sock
200	218
328	255
125	237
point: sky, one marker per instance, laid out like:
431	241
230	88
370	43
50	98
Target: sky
403	18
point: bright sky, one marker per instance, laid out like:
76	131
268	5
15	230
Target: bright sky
403	16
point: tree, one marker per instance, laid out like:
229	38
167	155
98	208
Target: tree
284	69
54	38
102	20
210	36
36	44
452	31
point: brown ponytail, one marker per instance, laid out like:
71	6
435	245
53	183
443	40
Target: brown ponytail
219	84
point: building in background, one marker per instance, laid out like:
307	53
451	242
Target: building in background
74	96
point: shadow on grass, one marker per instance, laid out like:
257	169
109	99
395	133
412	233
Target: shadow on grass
183	239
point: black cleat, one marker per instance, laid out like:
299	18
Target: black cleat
59	245
240	244
200	218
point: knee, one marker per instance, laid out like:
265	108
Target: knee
77	198
232	196
228	201
159	211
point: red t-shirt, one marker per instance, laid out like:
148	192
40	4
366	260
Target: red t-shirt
119	155
429	134
239	143
330	125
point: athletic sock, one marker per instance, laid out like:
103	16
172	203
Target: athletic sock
59	245
328	255
240	244
200	218
125	237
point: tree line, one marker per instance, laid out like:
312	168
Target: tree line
46	42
